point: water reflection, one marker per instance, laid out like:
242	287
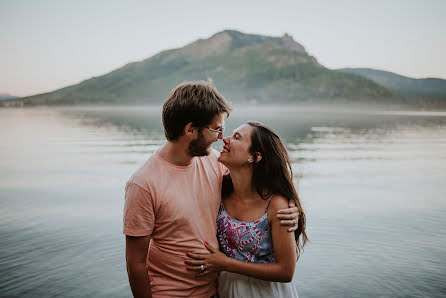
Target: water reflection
371	184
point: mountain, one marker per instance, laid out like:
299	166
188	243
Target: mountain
424	90
4	96
244	67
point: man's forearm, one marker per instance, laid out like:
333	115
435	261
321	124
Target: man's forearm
139	280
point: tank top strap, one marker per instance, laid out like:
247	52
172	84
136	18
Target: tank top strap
267	206
222	206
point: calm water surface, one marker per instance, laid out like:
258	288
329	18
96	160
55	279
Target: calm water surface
372	185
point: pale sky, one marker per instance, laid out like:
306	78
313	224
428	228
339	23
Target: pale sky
46	45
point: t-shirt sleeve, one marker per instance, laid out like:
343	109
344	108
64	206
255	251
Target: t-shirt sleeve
223	169
139	217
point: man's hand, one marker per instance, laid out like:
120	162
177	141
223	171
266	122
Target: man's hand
290	216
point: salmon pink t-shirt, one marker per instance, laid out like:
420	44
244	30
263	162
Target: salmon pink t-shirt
177	207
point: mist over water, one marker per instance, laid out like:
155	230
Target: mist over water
371	183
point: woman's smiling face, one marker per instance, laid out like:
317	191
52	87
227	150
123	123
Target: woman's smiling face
235	152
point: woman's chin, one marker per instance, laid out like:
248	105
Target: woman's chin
222	158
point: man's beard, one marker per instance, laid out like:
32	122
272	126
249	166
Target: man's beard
198	147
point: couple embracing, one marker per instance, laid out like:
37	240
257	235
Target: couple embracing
197	221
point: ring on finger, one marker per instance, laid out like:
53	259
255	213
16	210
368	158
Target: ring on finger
202	267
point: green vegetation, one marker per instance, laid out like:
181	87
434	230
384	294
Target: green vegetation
244	67
424	92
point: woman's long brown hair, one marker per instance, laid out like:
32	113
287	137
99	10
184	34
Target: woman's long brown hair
272	175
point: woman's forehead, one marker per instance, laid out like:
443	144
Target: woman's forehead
244	129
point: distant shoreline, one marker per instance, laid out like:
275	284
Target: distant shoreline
346	107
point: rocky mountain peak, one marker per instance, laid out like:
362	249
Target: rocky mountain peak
289	43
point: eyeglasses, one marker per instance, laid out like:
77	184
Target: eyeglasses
219	131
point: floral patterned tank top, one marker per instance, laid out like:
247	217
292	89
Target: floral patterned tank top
248	241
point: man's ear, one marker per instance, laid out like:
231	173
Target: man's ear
189	130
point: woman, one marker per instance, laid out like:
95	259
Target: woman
259	255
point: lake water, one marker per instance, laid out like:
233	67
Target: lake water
373	185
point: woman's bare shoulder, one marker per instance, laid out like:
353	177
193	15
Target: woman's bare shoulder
278	202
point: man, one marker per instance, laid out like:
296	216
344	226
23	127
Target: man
172	201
